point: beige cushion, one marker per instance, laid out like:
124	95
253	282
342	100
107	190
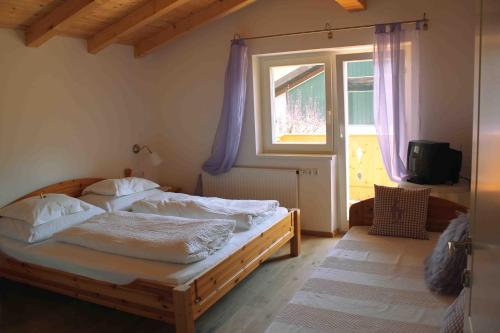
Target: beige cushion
400	212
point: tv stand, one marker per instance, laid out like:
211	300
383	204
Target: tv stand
459	192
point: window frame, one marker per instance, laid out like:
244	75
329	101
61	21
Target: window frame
265	111
342	123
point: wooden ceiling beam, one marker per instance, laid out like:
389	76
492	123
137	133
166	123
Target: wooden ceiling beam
352	5
56	20
213	12
131	22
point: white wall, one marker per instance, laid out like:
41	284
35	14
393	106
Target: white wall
189	76
65	113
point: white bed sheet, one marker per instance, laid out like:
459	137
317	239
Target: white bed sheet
124	270
112	204
367	284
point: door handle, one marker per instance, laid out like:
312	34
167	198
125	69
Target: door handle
455	246
467	278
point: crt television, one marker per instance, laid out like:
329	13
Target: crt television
431	162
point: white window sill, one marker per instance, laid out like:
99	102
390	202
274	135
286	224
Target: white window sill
296	156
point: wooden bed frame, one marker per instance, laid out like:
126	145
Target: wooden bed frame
440	213
179	305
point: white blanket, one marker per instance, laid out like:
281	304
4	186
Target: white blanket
246	213
145	236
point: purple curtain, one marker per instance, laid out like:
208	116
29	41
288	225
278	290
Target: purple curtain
396	94
227	138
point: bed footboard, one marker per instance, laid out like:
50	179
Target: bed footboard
143	298
295	241
218	281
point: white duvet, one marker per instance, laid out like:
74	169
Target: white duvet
246	213
145	236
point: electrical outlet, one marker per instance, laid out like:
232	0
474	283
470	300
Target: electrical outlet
309	172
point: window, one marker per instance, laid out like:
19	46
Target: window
295	99
359	94
299	104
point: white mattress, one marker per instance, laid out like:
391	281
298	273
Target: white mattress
367	284
124	270
112	204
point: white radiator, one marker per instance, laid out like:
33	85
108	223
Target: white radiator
255	183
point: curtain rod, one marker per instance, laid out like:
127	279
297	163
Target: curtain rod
330	30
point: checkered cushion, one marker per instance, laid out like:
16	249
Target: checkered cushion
400	212
453	321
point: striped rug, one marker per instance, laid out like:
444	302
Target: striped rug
369	284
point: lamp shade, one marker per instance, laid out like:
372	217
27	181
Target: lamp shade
155	159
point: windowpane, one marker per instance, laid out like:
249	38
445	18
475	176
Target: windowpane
298	104
360	68
365	165
360	92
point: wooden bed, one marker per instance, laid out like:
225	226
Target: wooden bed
179	305
440	213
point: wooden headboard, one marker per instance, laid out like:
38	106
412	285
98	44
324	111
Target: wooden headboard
440	213
73	187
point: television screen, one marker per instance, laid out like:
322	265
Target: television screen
432	162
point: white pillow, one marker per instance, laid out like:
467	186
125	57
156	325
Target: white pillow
24	232
112	204
120	187
38	210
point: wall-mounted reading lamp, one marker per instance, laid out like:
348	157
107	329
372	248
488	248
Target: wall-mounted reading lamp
154	158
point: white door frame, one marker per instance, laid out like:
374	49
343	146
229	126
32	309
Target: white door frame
340	124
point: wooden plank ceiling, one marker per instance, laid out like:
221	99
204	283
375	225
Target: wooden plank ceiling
144	24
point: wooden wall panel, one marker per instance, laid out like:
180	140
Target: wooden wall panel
440	213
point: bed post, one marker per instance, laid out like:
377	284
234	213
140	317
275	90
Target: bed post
183	309
295	241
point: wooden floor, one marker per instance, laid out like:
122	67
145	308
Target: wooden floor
249	308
